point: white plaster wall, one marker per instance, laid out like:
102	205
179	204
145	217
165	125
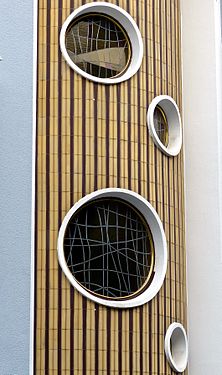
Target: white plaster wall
202	123
16	71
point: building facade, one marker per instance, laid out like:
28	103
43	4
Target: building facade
92	136
95	128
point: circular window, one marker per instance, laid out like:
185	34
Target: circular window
164	124
102	42
161	125
109	249
112	248
176	347
98	46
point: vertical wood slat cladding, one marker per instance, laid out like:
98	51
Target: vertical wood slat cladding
91	136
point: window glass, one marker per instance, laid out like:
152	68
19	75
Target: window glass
98	45
109	248
161	125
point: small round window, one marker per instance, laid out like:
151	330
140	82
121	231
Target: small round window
176	347
98	45
102	42
164	124
112	248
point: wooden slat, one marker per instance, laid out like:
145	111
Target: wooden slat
127	159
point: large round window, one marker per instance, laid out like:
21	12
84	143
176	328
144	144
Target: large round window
112	248
98	45
109	249
102	42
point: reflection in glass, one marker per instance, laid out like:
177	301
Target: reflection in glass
98	45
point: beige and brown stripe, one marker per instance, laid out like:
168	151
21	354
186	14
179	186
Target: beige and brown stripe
90	136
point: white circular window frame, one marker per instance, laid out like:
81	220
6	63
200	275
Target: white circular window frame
172	113
159	239
176	331
126	21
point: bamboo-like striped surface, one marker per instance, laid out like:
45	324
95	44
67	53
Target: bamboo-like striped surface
92	136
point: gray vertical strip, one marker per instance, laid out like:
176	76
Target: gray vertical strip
16	106
35	203
221	19
33	294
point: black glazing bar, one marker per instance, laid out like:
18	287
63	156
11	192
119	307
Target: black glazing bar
114	250
98	242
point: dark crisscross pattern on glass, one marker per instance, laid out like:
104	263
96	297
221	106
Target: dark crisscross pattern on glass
109	249
98	46
161	125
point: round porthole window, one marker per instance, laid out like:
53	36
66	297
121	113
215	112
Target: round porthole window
112	248
176	347
164	124
102	42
